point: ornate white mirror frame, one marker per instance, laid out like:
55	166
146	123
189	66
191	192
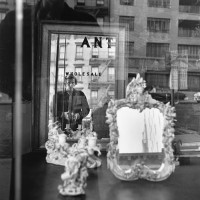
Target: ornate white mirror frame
139	100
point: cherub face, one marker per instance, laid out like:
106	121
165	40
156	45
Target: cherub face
50	145
140	89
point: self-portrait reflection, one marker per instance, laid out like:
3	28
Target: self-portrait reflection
79	98
70	106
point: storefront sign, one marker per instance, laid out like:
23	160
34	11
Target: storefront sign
174	71
179	69
183	69
174	77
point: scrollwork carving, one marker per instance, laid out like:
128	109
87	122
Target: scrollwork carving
137	99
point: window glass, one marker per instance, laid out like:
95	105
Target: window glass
127	20
111	74
100	2
192	50
95	72
127	2
80	2
131	49
79	52
159	3
95	52
94	94
111	94
63	52
157	49
111	52
78	73
158	25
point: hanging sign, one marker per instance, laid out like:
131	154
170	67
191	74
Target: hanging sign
173	83
179	70
174	78
183	70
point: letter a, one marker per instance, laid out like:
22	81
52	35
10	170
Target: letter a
85	41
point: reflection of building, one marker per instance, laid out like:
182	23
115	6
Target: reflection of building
161	26
157	26
93	67
100	9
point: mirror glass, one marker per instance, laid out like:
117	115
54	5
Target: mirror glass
140	132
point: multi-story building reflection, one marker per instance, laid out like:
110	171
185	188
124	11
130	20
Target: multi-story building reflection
93	67
156	27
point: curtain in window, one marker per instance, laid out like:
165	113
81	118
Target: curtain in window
78	71
158	25
111	74
157	49
193	50
159	3
127	20
126	2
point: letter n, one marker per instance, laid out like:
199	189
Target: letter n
99	42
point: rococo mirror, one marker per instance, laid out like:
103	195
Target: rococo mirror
141	132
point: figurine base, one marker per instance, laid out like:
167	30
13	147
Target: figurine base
70	191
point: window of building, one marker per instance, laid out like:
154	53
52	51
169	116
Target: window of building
94	95
2	16
100	2
131	76
159	3
61	75
95	72
111	51
79	52
193	50
127	20
78	73
63	52
111	93
100	21
189	6
188	28
111	74
80	2
127	2
95	52
157	49
158	25
131	49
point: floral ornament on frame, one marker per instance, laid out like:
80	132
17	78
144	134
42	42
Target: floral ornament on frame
136	99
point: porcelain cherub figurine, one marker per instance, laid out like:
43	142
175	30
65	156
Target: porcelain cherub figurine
75	175
88	143
56	145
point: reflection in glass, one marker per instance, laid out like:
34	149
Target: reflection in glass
93	69
140	132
